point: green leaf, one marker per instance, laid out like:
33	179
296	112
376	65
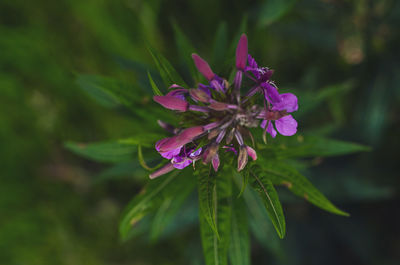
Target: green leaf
273	10
311	100
245	181
168	73
220	46
108	91
95	87
171	205
120	93
122	170
270	198
241	29
280	173
145	140
239	250
152	197
216	248
113	151
185	49
311	146
262	229
156	91
206	178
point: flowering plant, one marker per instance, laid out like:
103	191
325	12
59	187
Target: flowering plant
216	122
223	112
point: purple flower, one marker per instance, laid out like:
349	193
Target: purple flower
221	113
286	126
261	74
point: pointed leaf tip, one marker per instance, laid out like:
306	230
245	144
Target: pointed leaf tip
203	67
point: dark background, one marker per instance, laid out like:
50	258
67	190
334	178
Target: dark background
56	208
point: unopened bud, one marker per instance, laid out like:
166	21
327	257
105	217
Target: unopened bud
209	153
203	67
171	102
199	95
215	162
251	152
242	158
164	170
181	139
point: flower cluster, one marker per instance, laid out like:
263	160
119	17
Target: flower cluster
221	112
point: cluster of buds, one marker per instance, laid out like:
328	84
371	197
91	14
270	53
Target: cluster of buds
222	115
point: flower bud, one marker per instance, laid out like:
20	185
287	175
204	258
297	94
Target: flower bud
230	135
242	158
251	152
181	139
164	170
210	152
241	53
199	95
171	102
203	67
215	162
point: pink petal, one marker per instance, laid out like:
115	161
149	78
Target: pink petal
263	124
170	154
241	52
252	153
203	67
271	130
286	125
175	86
215	162
288	102
181	162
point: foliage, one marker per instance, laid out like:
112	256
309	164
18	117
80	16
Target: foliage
340	57
219	220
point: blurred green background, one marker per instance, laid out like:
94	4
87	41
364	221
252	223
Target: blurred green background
57	208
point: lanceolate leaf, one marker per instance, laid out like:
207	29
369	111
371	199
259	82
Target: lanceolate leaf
273	10
152	198
95	87
113	151
239	250
261	227
171	205
206	179
311	146
270	198
185	48
168	73
156	91
216	248
281	173
110	92
220	46
145	140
